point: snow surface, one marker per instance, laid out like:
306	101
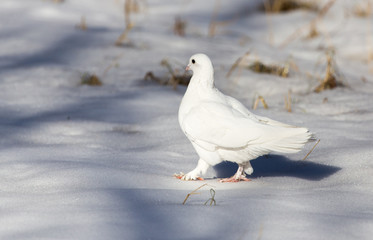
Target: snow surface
82	162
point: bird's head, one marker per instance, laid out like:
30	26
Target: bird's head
200	63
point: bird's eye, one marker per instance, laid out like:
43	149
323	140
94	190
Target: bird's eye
193	61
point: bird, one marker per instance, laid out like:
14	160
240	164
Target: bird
221	128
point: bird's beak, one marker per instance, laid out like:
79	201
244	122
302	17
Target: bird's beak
187	68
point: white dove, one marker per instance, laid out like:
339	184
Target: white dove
221	128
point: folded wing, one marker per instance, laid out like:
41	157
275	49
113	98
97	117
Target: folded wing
213	126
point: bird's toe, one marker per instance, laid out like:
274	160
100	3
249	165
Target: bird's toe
188	176
234	179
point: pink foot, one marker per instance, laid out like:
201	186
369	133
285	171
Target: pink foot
235	179
181	175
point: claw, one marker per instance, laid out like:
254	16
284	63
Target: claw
182	175
234	179
179	176
240	175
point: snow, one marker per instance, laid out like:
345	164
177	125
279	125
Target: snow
82	162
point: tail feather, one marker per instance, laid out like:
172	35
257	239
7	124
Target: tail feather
291	142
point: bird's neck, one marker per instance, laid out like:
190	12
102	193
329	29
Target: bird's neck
203	79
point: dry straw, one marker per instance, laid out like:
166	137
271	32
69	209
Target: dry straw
195	191
311	150
288	101
311	25
363	9
332	77
214	23
83	24
130	6
260	99
90	79
179	27
175	77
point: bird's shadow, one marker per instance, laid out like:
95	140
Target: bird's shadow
280	166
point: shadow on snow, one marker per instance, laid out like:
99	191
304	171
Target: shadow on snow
280	166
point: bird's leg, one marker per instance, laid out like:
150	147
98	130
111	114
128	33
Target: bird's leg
201	168
248	168
238	176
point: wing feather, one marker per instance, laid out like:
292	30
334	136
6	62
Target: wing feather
221	126
213	125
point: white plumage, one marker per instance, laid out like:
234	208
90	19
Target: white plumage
222	129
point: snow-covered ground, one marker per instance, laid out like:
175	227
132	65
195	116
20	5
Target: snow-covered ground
83	162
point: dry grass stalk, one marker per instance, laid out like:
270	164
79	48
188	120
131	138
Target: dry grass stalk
237	63
113	64
122	37
175	79
330	79
363	10
268	9
194	192
83	24
213	23
370	41
267	6
370	55
212	26
313	32
260	235
292	65
260	99
150	76
179	27
277	6
212	199
311	25
90	79
130	6
288	101
311	150
260	67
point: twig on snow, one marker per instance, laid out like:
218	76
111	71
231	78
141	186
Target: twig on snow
311	150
